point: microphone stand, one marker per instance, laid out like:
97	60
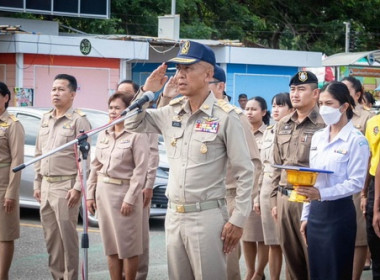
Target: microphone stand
84	148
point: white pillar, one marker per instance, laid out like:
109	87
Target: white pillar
19	70
125	70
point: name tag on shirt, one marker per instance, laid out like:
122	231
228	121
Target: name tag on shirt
340	151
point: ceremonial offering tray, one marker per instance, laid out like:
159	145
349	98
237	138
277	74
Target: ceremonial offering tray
300	176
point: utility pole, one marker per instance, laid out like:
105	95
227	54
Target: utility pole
173	7
347	42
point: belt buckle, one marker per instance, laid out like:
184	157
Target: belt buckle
180	208
106	179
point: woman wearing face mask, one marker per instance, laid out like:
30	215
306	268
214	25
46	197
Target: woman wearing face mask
115	184
281	106
329	220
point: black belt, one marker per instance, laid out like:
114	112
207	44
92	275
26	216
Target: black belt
284	191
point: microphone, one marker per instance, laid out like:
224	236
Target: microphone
147	97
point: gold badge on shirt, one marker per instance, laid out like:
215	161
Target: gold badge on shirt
104	141
173	142
4	125
203	148
67	125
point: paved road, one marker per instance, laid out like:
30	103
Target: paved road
30	259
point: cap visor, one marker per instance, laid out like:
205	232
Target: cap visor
181	60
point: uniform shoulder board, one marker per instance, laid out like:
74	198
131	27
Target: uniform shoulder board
270	126
238	110
79	112
176	100
226	107
13	118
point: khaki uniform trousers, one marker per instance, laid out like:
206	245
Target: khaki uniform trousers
292	244
233	266
59	224
194	246
142	272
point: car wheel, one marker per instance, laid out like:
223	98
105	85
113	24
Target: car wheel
92	219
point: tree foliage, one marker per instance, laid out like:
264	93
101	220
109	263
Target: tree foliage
280	24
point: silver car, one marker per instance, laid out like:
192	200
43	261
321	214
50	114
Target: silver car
31	117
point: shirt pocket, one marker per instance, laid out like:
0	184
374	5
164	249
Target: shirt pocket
123	149
174	142
304	145
3	139
284	145
102	150
338	163
204	147
43	135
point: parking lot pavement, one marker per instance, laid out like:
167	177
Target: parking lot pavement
30	259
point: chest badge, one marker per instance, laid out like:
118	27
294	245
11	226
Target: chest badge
208	125
376	130
173	142
67	125
4	125
203	148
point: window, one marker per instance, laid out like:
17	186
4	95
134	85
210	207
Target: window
31	126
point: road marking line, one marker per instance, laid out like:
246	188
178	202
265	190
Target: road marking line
79	229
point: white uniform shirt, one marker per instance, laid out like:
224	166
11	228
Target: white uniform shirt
346	155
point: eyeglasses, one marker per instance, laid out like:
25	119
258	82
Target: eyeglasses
214	82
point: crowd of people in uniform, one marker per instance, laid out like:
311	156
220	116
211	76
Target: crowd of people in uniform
226	191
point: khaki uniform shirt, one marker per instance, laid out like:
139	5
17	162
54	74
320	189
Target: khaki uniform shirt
360	118
259	139
123	157
53	134
253	152
198	145
11	152
153	160
292	145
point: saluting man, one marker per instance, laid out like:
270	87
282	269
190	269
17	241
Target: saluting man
57	180
201	135
217	86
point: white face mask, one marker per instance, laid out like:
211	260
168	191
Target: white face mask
330	115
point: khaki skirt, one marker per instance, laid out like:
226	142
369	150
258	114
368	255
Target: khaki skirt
9	222
121	235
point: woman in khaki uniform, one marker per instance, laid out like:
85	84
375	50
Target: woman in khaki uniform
359	120
253	238
281	106
117	177
11	155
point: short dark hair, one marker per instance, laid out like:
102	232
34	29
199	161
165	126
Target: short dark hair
126	98
4	91
242	95
71	79
134	85
357	85
340	92
263	106
282	98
